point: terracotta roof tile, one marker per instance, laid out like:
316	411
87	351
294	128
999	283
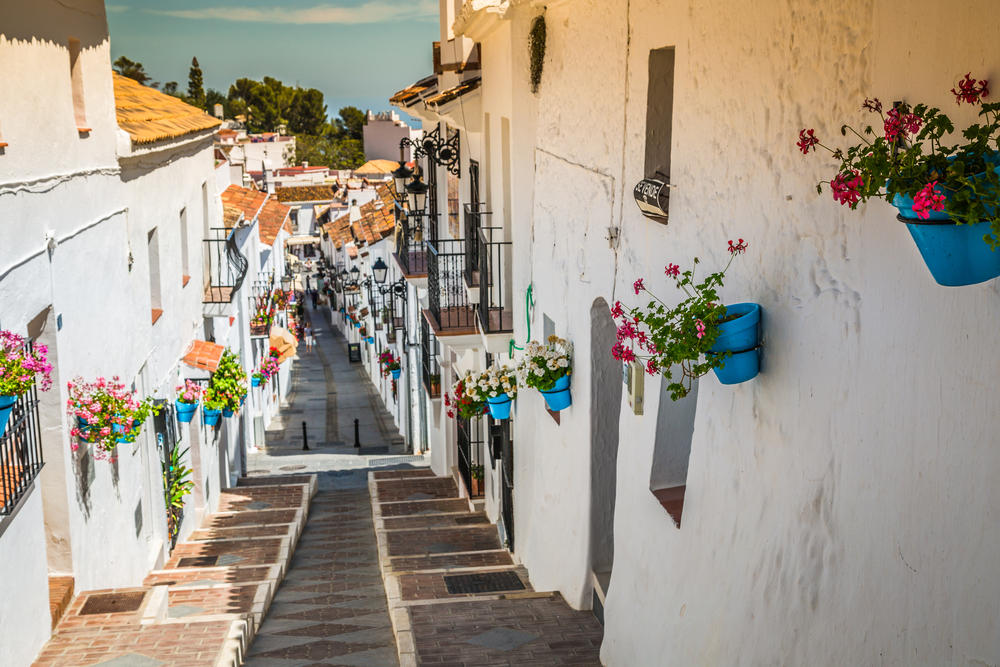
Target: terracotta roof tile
306	193
377	221
446	96
377	167
148	115
272	219
204	355
240	203
411	94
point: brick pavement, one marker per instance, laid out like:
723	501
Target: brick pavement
192	613
425	534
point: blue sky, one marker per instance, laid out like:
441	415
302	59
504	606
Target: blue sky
357	52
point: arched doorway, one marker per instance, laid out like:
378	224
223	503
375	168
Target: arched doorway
605	407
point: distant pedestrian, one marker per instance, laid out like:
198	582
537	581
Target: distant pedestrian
313	294
307	282
308	337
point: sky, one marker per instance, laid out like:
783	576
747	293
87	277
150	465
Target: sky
357	52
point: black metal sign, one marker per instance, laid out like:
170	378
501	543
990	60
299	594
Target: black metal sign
653	198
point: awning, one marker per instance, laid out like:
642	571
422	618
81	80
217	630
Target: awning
301	240
285	341
203	355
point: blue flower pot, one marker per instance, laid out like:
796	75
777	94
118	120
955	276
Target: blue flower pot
185	411
211	417
242	398
370	340
396	373
122	434
227	413
956	255
6	405
558	398
255	382
741	337
499	407
357	325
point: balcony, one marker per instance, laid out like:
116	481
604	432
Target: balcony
470	445
496	315
430	350
411	251
262	306
225	267
449	312
20	452
474	218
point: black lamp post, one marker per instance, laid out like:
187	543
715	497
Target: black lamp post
400	176
380	270
286	282
355	272
417	192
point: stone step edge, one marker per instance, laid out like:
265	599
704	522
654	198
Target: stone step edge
482	597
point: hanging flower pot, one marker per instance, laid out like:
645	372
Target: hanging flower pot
558	398
6	406
228	412
255	380
396	372
107	414
211	417
740	337
187	401
185	411
83	429
121	435
499	406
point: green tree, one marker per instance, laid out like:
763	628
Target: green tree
213	97
170	88
351	123
196	85
258	101
307	114
329	150
131	69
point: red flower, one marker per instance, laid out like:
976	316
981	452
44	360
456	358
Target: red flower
847	192
912	123
872	105
806	141
626	330
672	270
927	200
651	367
617	311
893	125
638	286
971	91
739	247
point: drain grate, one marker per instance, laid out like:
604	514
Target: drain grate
112	603
485	582
197	561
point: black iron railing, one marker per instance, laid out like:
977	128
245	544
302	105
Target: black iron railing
446	295
20	451
225	266
465	427
429	359
411	248
261	295
495	312
474	219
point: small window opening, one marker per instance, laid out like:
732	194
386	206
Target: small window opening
76	79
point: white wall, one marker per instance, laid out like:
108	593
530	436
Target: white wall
25	618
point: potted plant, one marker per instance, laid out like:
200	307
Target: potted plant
229	381
476	473
465	401
176	485
547	368
187	401
107	413
390	365
435	381
947	195
497	387
258	378
696	336
215	402
20	367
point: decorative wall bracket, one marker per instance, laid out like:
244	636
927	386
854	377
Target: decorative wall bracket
443	152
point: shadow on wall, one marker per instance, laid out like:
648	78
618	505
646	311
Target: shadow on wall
84	20
605	403
672	449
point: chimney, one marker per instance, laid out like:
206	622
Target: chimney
355	211
305	165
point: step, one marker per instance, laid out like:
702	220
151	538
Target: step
60	596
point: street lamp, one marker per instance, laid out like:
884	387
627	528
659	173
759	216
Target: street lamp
417	191
355	272
380	270
399	177
286	282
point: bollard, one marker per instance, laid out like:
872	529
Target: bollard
305	438
357	438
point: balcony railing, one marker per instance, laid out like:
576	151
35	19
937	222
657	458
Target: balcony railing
20	451
411	250
475	216
447	298
225	266
429	359
495	312
261	295
469	444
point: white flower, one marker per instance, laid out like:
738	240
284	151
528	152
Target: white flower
563	362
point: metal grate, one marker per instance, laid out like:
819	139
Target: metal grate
484	582
112	603
197	561
20	450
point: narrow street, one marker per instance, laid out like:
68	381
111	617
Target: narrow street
427	581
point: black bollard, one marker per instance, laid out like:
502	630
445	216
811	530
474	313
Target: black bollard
357	438
305	438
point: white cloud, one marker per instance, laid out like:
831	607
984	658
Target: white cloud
373	11
117	9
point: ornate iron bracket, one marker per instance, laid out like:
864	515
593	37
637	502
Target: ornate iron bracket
443	152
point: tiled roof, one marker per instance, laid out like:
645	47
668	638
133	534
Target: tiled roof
306	193
291	171
377	167
411	94
272	219
377	221
148	115
239	203
204	355
454	93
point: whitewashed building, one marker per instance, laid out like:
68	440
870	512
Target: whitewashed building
837	508
382	134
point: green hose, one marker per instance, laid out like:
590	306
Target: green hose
529	302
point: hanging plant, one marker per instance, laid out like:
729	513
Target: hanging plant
536	49
107	413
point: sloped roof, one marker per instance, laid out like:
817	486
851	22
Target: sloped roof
377	167
377	221
306	193
454	93
238	202
204	355
272	219
148	115
411	94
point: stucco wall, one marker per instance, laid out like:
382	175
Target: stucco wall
24	607
837	507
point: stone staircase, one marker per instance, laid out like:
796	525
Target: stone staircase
204	606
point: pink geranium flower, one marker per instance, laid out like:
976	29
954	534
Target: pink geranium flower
928	199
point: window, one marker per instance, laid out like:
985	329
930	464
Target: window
155	296
185	268
76	80
659	113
